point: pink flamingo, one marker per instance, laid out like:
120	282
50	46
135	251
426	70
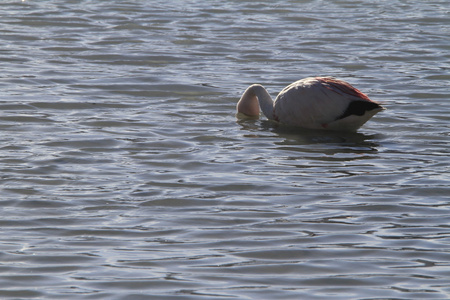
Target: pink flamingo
313	102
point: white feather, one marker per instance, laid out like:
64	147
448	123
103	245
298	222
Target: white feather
313	102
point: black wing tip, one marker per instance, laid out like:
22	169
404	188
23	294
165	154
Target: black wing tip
359	108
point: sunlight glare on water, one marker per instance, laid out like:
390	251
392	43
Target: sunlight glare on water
126	175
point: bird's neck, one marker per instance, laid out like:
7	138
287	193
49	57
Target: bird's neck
265	101
254	95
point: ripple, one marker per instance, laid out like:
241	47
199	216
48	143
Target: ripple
124	172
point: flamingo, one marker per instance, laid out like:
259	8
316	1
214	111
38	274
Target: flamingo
313	103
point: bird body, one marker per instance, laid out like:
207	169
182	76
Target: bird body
313	102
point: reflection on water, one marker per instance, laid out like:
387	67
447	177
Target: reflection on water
126	175
300	140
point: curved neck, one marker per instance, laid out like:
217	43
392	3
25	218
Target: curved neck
254	95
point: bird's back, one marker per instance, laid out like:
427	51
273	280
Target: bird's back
323	103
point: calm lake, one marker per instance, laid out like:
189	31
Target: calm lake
125	173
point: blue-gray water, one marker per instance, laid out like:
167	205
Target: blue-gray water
126	175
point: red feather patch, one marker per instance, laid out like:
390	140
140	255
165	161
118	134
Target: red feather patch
342	87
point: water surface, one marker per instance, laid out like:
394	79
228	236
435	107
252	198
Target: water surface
126	175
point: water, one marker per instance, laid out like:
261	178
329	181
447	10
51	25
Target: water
125	174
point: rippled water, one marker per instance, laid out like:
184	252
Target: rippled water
125	174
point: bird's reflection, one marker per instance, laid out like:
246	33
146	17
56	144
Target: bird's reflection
307	140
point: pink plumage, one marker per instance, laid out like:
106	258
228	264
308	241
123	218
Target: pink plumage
313	102
342	86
